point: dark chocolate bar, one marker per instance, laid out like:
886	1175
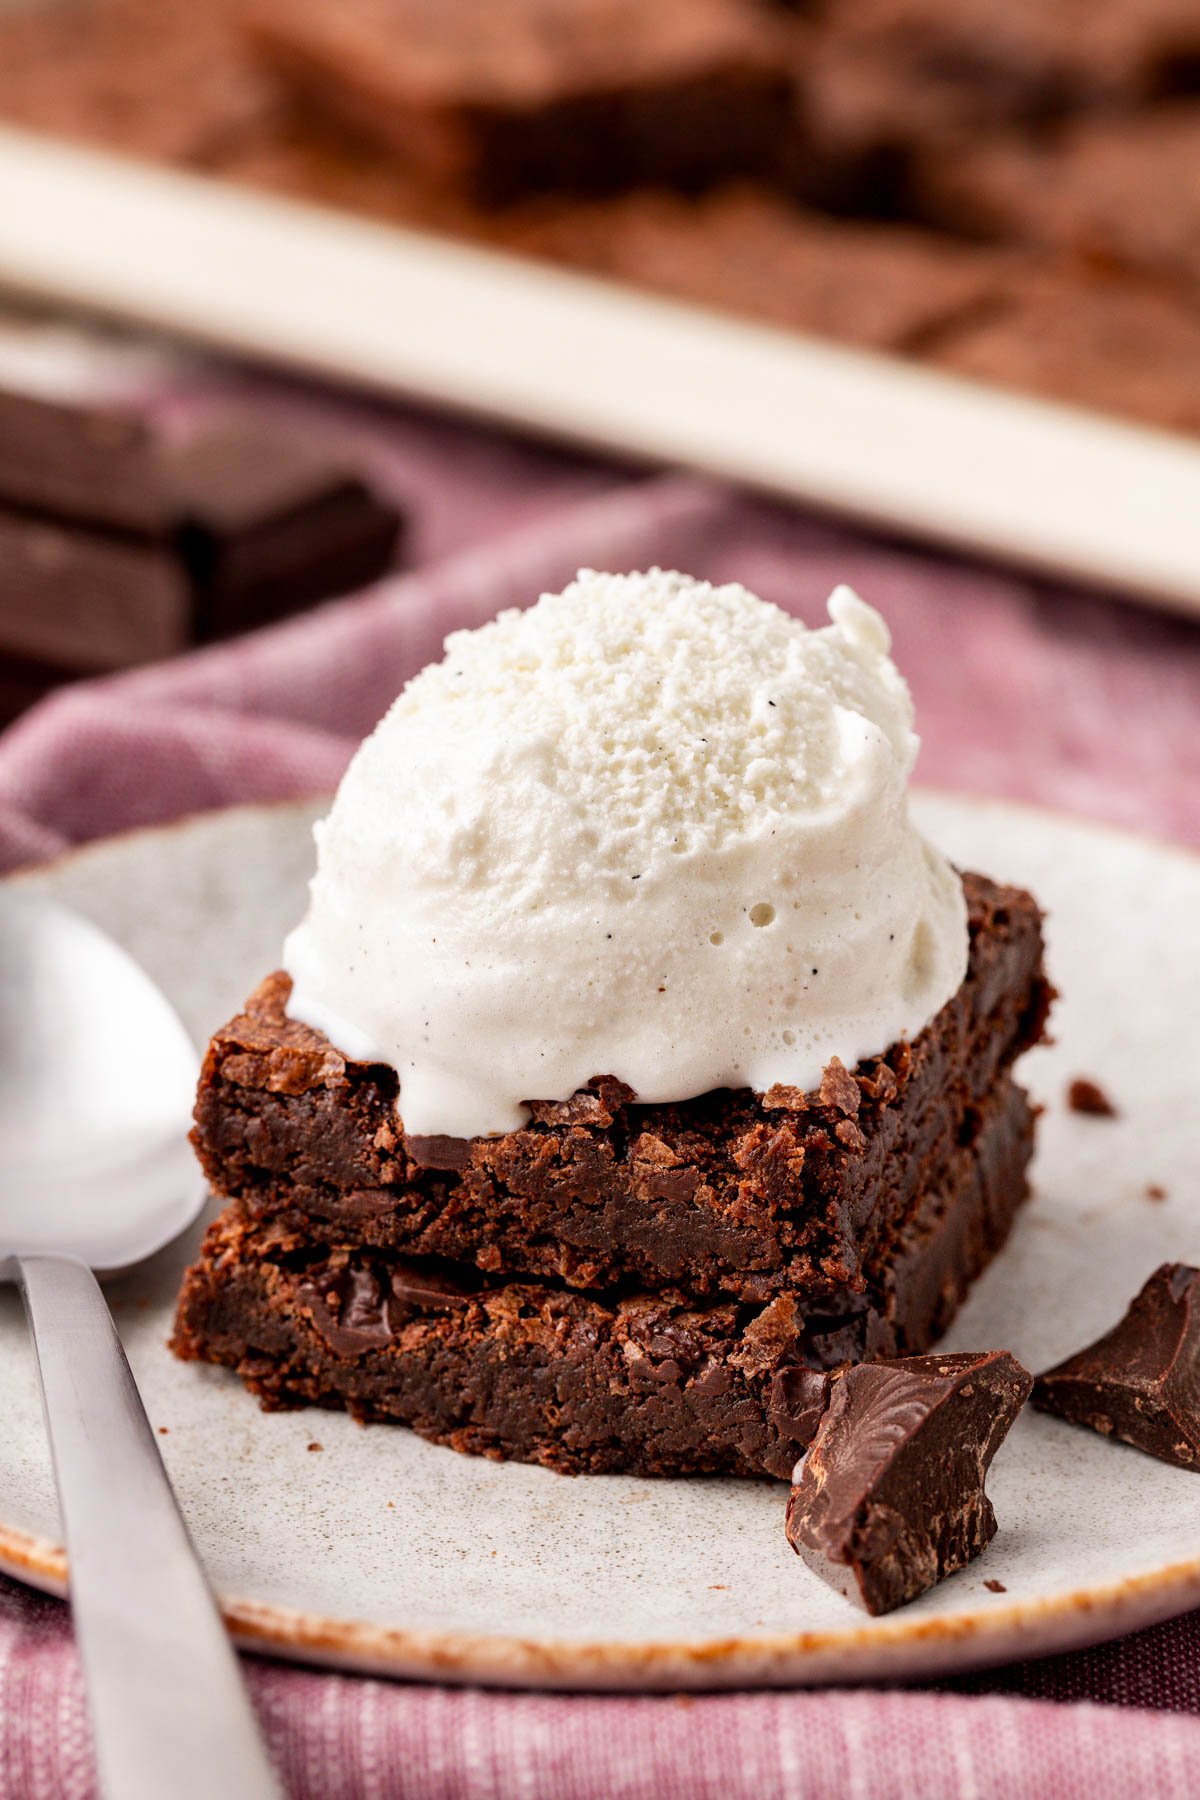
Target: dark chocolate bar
118	547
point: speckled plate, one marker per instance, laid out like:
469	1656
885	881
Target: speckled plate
372	1550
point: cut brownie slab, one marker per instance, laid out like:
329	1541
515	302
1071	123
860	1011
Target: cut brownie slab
578	94
880	82
656	1384
883	287
158	79
730	1193
961	65
1123	191
1115	345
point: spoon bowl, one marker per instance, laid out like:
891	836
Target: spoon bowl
97	1079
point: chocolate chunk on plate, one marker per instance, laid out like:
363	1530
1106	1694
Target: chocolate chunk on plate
890	1498
1141	1381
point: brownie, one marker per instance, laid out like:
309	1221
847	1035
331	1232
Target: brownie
729	1193
653	1383
1119	346
587	95
883	83
1123	191
1087	1096
308	156
958	66
884	287
157	77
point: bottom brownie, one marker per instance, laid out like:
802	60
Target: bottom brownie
586	1383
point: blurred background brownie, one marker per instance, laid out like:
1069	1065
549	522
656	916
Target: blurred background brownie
158	77
883	287
504	100
860	145
1124	192
1125	346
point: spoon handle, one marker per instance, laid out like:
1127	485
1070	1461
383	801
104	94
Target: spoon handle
170	1714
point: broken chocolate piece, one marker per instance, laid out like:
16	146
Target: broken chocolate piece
420	1287
1087	1096
1141	1381
890	1497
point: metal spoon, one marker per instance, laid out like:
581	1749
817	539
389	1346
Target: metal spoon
96	1082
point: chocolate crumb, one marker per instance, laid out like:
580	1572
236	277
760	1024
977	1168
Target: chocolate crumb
1087	1096
1154	1191
315	1446
839	1088
164	1431
995	1587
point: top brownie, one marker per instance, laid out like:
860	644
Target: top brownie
732	1193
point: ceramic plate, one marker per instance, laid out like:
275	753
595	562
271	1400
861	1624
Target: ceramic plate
376	1551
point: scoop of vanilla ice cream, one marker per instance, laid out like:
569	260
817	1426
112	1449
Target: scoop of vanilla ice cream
648	828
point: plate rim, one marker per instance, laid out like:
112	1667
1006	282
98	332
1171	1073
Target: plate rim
856	1654
893	1648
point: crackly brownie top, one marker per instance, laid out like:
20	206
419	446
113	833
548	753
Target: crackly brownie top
264	1049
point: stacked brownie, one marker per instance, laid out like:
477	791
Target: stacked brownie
615	1286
